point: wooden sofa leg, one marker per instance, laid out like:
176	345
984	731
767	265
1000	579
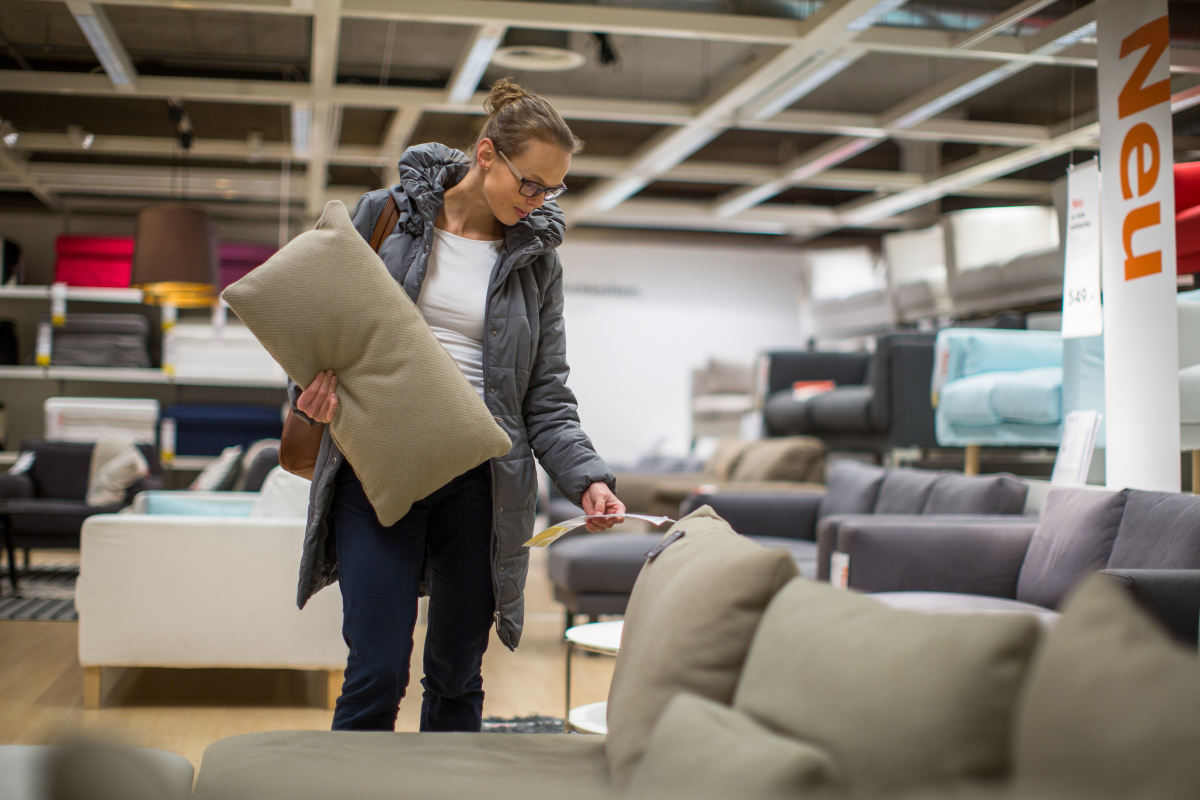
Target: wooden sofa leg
1196	472
91	687
336	676
971	460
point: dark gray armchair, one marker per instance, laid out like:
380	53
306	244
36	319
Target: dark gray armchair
45	506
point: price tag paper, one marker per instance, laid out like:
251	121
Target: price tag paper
1082	313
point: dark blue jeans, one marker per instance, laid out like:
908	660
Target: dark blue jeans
379	570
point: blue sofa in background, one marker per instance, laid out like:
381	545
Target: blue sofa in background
1001	388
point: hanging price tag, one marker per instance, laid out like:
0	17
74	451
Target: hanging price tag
839	570
219	315
169	316
166	440
1082	314
168	353
58	304
45	342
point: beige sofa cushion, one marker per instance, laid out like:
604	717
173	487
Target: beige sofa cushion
408	420
699	746
1112	708
722	462
689	621
787	458
897	698
320	765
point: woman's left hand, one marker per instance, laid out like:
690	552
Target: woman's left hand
599	499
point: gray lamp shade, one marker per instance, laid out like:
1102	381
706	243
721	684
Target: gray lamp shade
175	255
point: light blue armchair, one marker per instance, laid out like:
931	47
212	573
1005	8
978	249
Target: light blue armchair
1000	388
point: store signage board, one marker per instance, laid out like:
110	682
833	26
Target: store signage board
1137	235
1082	314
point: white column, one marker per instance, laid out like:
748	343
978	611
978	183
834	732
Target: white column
1138	246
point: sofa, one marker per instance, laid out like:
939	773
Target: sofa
1029	564
880	400
220	569
719	692
45	506
594	574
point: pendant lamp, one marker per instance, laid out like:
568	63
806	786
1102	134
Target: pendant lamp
175	256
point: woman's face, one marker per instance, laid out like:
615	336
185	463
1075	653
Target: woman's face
539	162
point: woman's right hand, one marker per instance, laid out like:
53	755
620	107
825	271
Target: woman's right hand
318	401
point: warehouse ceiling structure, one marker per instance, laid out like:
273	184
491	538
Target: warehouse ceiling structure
794	117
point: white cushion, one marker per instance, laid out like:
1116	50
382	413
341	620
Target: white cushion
112	480
283	495
212	476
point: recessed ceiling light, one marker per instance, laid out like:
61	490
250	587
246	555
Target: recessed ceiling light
10	139
537	51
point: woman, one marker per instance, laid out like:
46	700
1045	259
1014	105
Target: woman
475	250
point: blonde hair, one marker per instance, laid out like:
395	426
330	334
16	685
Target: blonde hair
515	116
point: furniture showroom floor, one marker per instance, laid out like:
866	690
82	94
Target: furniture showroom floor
183	711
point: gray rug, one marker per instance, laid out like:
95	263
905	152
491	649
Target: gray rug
533	724
47	595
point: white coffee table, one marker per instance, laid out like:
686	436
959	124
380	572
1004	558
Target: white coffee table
595	637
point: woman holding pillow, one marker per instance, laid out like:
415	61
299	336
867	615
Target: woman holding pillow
474	248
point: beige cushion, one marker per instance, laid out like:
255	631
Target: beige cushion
722	463
896	697
320	765
111	481
689	621
1112	707
788	458
408	420
702	746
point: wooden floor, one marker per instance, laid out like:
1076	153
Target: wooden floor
41	686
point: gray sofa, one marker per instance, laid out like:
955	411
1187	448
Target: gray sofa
594	574
1144	538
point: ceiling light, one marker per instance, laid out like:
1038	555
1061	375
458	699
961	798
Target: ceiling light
10	139
88	141
470	71
537	51
79	137
105	44
817	77
301	129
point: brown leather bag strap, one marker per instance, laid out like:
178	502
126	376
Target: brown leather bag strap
383	226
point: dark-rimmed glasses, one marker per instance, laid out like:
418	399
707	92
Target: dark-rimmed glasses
532	188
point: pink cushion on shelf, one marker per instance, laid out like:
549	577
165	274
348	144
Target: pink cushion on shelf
238	258
94	260
113	246
1187	186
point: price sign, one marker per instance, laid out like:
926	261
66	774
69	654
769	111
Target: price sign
1082	313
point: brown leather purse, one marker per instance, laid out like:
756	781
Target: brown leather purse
301	442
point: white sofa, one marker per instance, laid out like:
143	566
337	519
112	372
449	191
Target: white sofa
158	590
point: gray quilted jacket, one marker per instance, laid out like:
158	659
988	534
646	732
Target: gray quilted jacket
524	373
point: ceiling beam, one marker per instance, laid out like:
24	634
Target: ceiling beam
918	109
999	22
833	25
105	43
13	165
326	115
395	141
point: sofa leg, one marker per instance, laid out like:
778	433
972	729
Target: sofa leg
568	621
91	687
1196	472
335	678
971	460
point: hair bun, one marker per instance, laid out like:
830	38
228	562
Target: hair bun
504	93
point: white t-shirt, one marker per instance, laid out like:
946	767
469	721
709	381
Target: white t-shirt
454	297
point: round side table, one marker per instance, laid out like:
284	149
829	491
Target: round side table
595	637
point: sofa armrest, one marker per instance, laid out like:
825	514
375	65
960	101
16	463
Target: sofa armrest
981	556
786	515
1171	596
15	487
150	483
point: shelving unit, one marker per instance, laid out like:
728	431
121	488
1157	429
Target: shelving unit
119	375
181	463
76	293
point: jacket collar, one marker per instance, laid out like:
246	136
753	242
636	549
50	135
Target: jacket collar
428	170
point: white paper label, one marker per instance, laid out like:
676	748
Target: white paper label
219	316
1082	313
168	352
166	439
169	315
45	342
839	570
547	536
58	303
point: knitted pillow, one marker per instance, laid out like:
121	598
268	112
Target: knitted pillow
407	419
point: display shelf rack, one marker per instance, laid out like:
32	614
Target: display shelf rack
76	293
181	463
131	375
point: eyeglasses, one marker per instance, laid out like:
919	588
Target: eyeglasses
532	188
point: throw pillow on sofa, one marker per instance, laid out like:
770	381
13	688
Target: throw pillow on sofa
851	487
1074	538
897	698
220	473
706	748
283	495
977	494
389	364
114	478
688	624
788	458
1112	707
